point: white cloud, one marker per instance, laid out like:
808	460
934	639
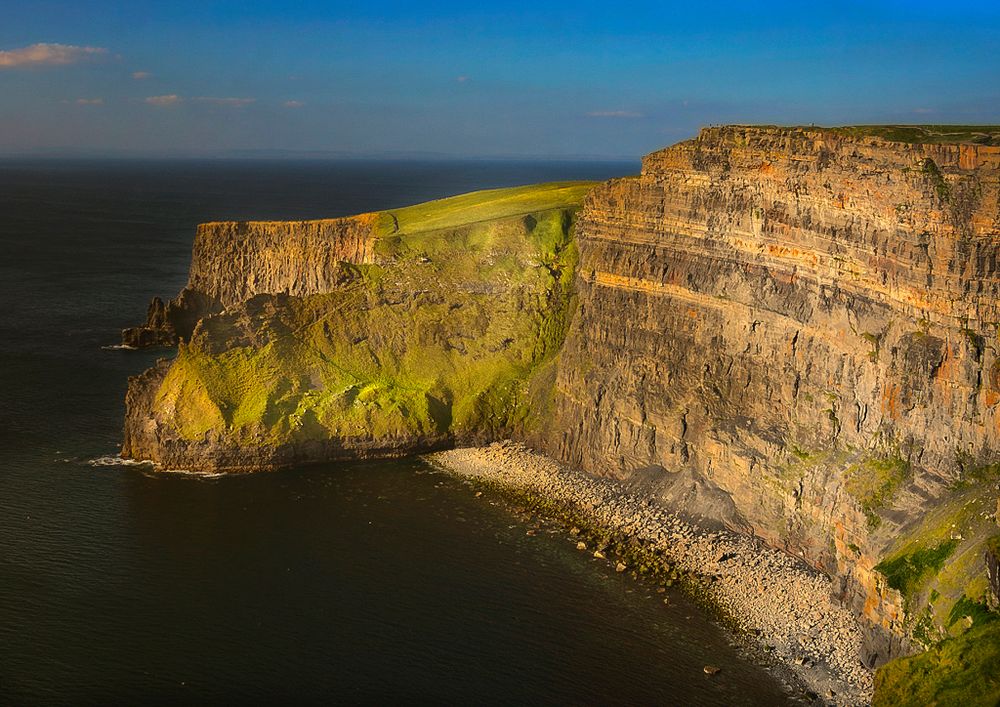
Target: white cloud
140	75
231	102
294	104
461	79
47	55
614	114
167	100
90	101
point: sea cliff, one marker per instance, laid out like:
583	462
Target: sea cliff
810	353
408	331
793	331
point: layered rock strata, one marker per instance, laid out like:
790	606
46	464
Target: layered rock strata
810	346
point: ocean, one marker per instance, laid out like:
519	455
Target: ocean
341	583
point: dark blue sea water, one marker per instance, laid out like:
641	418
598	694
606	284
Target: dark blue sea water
350	583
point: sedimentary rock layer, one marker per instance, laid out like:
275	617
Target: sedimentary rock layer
797	328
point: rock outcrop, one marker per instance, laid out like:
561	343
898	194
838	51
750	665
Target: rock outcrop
168	323
234	261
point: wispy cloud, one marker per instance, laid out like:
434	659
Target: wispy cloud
461	79
231	102
48	55
923	111
90	101
293	104
141	75
168	100
614	114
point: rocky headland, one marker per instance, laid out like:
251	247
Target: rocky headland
376	335
789	331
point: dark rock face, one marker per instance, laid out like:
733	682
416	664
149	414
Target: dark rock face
169	323
231	262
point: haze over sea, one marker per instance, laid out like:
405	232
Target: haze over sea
344	582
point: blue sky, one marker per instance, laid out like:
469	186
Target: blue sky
453	78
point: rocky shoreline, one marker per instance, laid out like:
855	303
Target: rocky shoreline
771	599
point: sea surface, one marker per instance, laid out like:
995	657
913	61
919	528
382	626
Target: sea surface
372	583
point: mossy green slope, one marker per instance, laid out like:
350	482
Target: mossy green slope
939	568
958	671
447	337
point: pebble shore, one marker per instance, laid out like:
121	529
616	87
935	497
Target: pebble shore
776	602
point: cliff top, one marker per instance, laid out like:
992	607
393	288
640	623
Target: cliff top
461	210
486	205
911	134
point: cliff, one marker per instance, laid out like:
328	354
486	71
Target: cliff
810	355
407	330
234	261
791	330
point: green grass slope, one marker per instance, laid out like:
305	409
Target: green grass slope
964	671
486	205
927	134
449	336
917	134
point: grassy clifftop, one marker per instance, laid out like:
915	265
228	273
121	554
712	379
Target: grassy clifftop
927	134
486	205
915	134
450	335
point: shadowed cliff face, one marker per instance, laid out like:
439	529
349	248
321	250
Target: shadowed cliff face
234	261
809	351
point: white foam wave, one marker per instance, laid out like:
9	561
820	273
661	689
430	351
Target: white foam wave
189	472
119	347
116	460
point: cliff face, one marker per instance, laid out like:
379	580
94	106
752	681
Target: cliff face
234	261
809	352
